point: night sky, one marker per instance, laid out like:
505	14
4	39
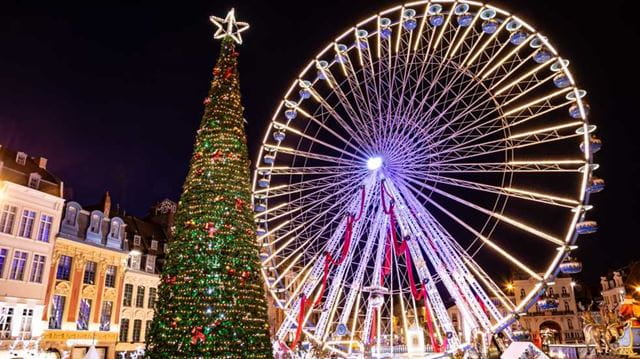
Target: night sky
112	93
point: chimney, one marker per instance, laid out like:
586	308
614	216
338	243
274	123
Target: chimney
106	202
42	163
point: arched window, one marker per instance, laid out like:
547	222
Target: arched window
564	290
95	223
115	229
570	324
566	306
522	293
551	291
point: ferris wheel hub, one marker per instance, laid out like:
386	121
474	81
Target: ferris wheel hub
374	163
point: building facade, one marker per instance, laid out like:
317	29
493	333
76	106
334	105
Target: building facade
31	204
84	293
618	284
564	320
147	240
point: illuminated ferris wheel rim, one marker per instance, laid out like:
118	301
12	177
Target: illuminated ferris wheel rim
374	162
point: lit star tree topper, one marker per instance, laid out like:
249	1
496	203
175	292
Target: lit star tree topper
229	27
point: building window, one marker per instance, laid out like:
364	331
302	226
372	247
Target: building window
140	297
6	317
95	224
551	293
124	329
18	265
37	268
21	158
45	228
134	261
152	298
64	268
25	325
105	316
115	229
34	181
110	277
89	273
26	224
57	310
8	218
3	259
150	265
570	324
128	295
522	293
154	244
137	328
71	215
136	240
147	330
566	306
83	314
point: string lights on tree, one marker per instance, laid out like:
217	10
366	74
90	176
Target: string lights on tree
211	300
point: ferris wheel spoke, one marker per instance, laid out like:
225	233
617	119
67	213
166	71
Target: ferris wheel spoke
468	62
295	170
328	109
333	133
314	184
501	217
451	54
503	60
356	117
318	156
318	141
516	141
510	166
363	106
305	203
510	258
503	191
519	79
525	115
451	247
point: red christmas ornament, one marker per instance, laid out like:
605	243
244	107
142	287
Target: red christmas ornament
170	280
216	71
239	204
246	274
228	73
211	229
207	101
197	336
174	324
235	54
198	155
216	155
231	271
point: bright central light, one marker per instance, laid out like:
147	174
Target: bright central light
374	163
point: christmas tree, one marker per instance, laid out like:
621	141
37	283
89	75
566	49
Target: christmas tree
211	301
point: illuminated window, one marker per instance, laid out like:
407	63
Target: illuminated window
89	273
64	268
137	328
45	228
3	259
110	277
7	218
25	325
26	224
83	314
37	268
18	265
124	329
105	315
140	297
57	310
128	295
6	317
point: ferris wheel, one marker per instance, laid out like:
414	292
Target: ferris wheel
417	160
